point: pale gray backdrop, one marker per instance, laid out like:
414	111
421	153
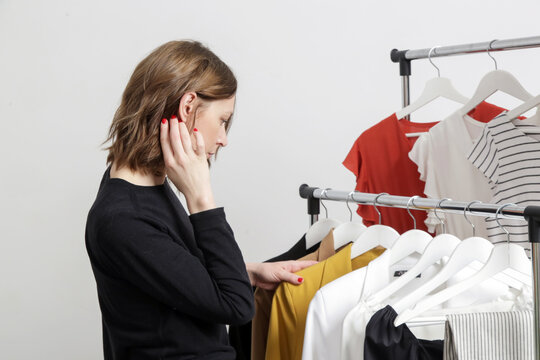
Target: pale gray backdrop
312	76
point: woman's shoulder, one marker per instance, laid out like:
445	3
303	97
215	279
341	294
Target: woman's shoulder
117	228
118	208
116	195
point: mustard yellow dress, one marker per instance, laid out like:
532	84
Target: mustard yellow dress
290	303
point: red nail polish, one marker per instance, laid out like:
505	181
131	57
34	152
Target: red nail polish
195	129
300	280
173	117
163	121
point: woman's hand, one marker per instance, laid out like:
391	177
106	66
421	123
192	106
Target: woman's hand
186	165
269	275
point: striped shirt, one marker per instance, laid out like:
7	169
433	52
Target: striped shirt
510	159
489	336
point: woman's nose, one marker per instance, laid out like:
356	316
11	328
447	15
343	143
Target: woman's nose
223	140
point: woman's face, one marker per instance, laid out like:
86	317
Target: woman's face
212	121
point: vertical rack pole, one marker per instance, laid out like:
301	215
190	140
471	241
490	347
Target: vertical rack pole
405	73
313	209
405	91
313	203
532	215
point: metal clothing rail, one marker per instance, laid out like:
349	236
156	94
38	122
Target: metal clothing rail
404	57
529	213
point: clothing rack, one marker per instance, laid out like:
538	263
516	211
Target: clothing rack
404	57
529	213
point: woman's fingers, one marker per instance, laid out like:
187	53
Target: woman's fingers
200	148
165	143
176	141
180	139
290	267
175	138
185	138
285	275
298	265
187	170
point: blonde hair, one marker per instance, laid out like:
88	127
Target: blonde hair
154	92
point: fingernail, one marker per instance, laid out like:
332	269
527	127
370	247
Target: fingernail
163	121
195	129
173	117
300	280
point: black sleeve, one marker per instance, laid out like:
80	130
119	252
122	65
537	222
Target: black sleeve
145	255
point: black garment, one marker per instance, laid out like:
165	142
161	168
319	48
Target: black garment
296	252
167	282
240	336
385	341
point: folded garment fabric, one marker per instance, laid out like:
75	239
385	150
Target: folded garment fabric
489	336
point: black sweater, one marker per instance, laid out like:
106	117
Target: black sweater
167	282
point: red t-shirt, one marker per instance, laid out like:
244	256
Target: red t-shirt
379	159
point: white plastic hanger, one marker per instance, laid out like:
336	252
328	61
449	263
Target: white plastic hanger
476	265
434	88
534	120
467	251
519	272
523	108
375	235
318	231
503	257
441	246
493	81
411	241
348	231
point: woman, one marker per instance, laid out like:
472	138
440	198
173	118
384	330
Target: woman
168	282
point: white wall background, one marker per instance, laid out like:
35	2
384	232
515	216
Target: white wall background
313	75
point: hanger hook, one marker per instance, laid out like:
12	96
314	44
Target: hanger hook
347	202
323	194
411	201
498	223
489	53
437	215
431	61
375	206
467	208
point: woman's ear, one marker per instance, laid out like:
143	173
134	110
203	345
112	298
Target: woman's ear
187	106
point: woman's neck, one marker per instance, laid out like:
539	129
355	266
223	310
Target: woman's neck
136	177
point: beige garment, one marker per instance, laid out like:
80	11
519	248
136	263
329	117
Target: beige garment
263	302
